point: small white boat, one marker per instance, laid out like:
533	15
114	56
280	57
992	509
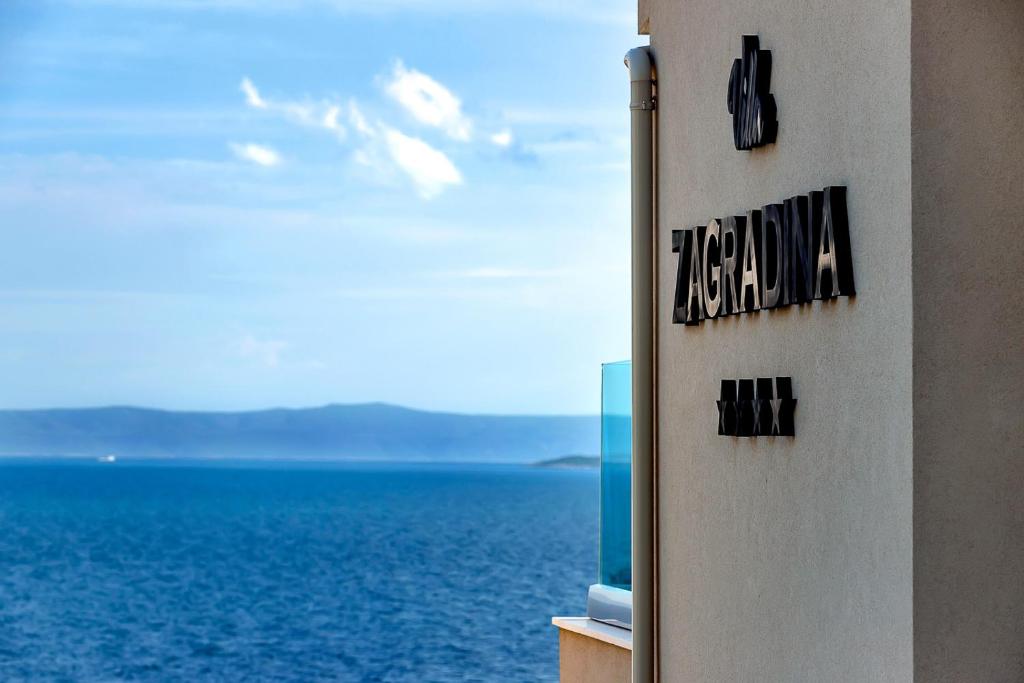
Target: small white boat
107	458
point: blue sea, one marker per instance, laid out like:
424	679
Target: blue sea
185	571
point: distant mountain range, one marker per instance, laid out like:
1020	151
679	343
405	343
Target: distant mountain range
571	462
371	431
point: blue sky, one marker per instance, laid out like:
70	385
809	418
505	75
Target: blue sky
232	204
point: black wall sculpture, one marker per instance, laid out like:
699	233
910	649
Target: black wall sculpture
761	407
751	105
779	255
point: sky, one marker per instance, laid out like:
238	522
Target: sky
240	204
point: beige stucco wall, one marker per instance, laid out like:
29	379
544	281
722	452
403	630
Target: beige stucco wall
789	559
968	199
582	659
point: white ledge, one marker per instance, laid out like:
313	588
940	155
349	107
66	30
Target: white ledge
613	635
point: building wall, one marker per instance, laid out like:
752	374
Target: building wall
788	559
582	659
968	211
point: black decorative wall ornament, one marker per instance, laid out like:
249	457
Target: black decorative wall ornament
751	105
775	256
761	407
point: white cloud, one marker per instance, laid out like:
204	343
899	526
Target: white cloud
358	121
257	154
429	102
386	152
330	120
300	112
252	95
502	138
430	170
316	115
266	351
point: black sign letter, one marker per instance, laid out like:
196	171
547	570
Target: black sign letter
772	255
834	248
750	278
711	271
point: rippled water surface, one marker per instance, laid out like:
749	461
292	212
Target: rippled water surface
249	572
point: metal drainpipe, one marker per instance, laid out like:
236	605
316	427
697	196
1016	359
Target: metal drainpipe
641	106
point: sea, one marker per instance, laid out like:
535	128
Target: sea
275	571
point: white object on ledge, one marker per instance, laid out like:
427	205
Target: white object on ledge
611	605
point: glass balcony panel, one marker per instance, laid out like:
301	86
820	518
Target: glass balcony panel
616	447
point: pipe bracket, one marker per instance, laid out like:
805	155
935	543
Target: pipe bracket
644	105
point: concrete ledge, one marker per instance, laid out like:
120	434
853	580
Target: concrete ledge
606	633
